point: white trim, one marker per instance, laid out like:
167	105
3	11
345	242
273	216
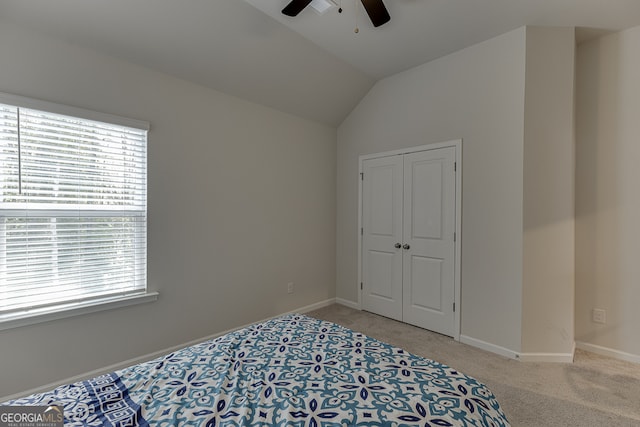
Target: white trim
64	310
359	230
523	357
301	310
609	352
156	354
347	303
549	357
546	357
408	150
489	347
458	244
65	110
457	144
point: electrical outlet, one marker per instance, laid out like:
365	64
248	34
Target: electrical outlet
290	287
599	315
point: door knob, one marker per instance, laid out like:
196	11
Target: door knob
398	245
406	246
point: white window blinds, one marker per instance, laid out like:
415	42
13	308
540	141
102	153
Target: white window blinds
73	209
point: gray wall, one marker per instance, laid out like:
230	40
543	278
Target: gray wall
242	198
607	196
241	201
476	94
548	206
511	101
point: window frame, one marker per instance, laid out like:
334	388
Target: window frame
73	308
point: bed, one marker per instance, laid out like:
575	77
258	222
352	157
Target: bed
293	370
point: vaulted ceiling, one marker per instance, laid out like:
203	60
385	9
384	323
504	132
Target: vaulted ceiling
314	66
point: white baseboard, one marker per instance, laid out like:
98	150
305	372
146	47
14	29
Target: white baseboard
524	357
489	347
303	310
156	354
546	357
609	352
348	303
549	357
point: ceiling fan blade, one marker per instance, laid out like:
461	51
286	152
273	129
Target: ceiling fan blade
295	7
376	11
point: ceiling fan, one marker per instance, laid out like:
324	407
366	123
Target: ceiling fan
375	9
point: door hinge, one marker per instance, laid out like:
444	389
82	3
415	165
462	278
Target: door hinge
455	166
361	176
454	307
362	231
360	285
454	236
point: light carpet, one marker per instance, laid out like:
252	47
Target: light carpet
592	391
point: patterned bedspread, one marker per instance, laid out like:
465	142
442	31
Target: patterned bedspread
293	370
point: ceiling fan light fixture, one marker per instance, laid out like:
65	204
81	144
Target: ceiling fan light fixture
375	9
322	6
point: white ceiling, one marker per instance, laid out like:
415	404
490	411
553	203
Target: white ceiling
313	65
423	30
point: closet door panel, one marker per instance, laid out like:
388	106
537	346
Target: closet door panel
382	232
428	235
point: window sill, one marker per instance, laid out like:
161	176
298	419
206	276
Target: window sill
62	311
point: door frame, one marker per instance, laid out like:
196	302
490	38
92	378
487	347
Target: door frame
457	144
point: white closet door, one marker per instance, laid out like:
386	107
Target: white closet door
429	247
382	235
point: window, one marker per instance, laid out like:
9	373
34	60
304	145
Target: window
73	207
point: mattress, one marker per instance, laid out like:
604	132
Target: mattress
293	370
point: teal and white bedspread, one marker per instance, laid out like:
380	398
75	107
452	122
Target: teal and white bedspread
290	371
